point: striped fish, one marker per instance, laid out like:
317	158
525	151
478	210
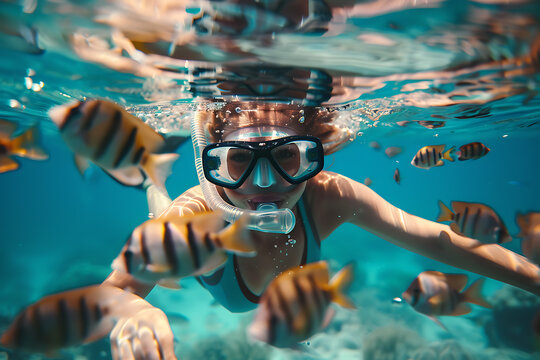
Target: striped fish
433	293
477	221
296	303
66	319
529	225
25	145
472	151
431	156
163	250
120	143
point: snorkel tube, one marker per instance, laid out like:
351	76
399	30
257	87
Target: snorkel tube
267	217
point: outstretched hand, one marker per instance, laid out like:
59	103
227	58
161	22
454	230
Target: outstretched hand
146	335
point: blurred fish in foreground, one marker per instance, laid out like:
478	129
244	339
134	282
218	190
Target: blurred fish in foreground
433	293
529	225
295	306
68	318
472	151
120	143
163	250
477	221
26	145
431	156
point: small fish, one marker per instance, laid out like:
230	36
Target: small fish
397	176
26	145
472	151
433	293
296	304
529	225
374	145
368	181
65	319
392	151
431	156
121	144
164	250
431	124
477	221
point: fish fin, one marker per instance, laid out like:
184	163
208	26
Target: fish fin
7	164
455	228
456	281
130	176
340	283
474	295
236	237
461	309
28	145
446	214
169	284
218	259
81	163
448	154
171	143
7	127
438	322
330	313
157	269
158	167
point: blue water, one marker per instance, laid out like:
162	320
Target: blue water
470	64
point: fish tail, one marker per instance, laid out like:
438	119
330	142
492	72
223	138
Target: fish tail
236	238
340	283
7	164
28	144
474	295
446	214
448	154
158	167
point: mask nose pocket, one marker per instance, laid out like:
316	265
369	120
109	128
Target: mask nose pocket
263	174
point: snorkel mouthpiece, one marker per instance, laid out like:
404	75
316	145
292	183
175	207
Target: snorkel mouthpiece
267	217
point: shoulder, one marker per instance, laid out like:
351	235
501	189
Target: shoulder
328	197
190	202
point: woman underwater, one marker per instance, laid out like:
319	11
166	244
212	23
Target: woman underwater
258	175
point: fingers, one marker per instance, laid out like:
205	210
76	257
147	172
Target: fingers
134	339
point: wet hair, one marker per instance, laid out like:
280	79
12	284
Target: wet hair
306	120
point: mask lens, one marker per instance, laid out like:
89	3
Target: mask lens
298	158
227	164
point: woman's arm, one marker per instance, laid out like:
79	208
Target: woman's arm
362	206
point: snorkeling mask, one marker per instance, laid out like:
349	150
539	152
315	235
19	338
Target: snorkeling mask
295	158
301	159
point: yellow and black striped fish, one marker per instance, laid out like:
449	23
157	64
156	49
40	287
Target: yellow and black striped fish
120	143
295	305
472	151
25	145
164	250
431	156
68	318
477	221
433	293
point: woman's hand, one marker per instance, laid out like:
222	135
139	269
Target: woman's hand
146	335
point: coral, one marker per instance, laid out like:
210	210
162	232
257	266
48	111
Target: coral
511	323
391	343
445	350
233	345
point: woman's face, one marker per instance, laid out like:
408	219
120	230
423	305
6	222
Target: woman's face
264	184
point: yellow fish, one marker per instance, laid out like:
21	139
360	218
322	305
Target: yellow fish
296	304
120	143
472	151
433	293
477	221
431	156
529	225
26	145
164	250
66	319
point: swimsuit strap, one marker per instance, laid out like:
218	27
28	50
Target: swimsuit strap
227	283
